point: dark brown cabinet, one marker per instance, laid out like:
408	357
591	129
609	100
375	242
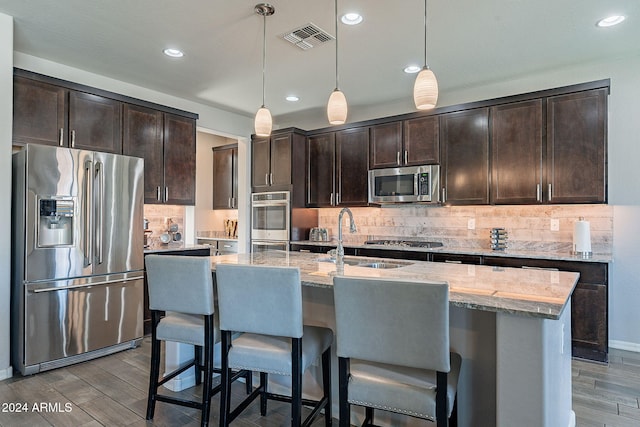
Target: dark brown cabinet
405	143
48	114
576	147
516	153
337	168
589	303
225	177
465	157
275	160
167	143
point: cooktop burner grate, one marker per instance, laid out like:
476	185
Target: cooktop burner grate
405	243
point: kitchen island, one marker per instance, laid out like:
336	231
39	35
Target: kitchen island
511	327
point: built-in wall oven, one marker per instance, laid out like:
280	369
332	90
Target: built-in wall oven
270	221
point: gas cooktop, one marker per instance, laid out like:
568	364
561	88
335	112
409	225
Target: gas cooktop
405	243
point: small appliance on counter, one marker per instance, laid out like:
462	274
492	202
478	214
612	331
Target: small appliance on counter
499	237
582	238
147	233
318	234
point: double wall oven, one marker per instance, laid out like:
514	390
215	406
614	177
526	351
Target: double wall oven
270	221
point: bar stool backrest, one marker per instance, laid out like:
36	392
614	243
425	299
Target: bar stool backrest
259	299
180	283
401	323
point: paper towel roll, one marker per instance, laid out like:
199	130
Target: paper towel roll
582	237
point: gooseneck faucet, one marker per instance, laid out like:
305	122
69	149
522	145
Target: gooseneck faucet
352	229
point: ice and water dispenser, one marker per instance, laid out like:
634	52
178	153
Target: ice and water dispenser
55	225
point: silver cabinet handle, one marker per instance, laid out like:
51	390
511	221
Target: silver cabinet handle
538	193
444	195
166	194
229	202
549	191
73	139
450	261
331	197
158	193
226	246
406	157
270	178
61	137
266	179
398	158
337	199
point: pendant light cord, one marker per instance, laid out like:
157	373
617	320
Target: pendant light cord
425	34
264	53
336	24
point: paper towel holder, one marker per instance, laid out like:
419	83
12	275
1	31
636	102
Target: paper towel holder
582	254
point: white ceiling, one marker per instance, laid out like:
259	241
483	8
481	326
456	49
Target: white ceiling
470	43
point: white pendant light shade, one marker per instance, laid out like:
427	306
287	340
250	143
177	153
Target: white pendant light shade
337	108
425	90
263	122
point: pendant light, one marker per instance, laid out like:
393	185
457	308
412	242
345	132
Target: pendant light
263	122
425	89
337	105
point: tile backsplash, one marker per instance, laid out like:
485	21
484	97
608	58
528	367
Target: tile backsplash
529	227
157	216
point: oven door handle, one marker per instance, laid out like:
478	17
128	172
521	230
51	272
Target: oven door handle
286	243
267	204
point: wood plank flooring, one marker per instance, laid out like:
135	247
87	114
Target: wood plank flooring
112	391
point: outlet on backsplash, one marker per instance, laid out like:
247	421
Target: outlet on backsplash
555	224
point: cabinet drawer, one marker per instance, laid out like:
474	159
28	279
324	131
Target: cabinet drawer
590	272
456	258
227	247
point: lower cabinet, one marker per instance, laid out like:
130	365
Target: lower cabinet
589	303
185	252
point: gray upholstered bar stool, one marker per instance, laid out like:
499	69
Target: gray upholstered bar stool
183	287
393	349
265	303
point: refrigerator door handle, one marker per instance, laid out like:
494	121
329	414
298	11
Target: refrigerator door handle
100	207
88	222
87	285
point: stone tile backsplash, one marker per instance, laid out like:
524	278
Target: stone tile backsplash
529	227
157	216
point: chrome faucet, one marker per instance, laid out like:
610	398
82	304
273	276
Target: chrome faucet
352	229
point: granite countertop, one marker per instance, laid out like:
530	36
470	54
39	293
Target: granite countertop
531	293
214	235
173	246
551	255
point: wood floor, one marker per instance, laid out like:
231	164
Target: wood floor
112	391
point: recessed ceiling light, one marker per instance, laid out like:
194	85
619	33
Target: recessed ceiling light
351	18
610	21
292	98
412	69
174	53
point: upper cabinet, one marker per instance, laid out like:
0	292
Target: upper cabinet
338	168
465	157
405	143
225	177
577	147
516	153
167	143
48	114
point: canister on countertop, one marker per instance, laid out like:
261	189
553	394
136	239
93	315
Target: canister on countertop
582	238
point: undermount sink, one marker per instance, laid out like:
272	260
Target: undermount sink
366	263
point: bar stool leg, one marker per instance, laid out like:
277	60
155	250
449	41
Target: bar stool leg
208	371
155	367
343	389
326	385
225	392
296	382
264	380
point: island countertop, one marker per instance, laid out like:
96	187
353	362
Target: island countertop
523	292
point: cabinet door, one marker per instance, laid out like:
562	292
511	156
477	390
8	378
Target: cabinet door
516	153
225	180
142	137
38	113
260	163
576	147
465	163
280	164
386	146
352	147
95	123
179	160
422	141
589	321
321	167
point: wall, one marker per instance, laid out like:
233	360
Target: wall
6	120
529	227
624	151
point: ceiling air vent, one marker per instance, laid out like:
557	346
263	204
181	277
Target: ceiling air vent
307	36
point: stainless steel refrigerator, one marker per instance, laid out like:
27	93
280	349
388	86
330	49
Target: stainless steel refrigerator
77	256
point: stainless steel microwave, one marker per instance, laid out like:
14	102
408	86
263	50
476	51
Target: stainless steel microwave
402	185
